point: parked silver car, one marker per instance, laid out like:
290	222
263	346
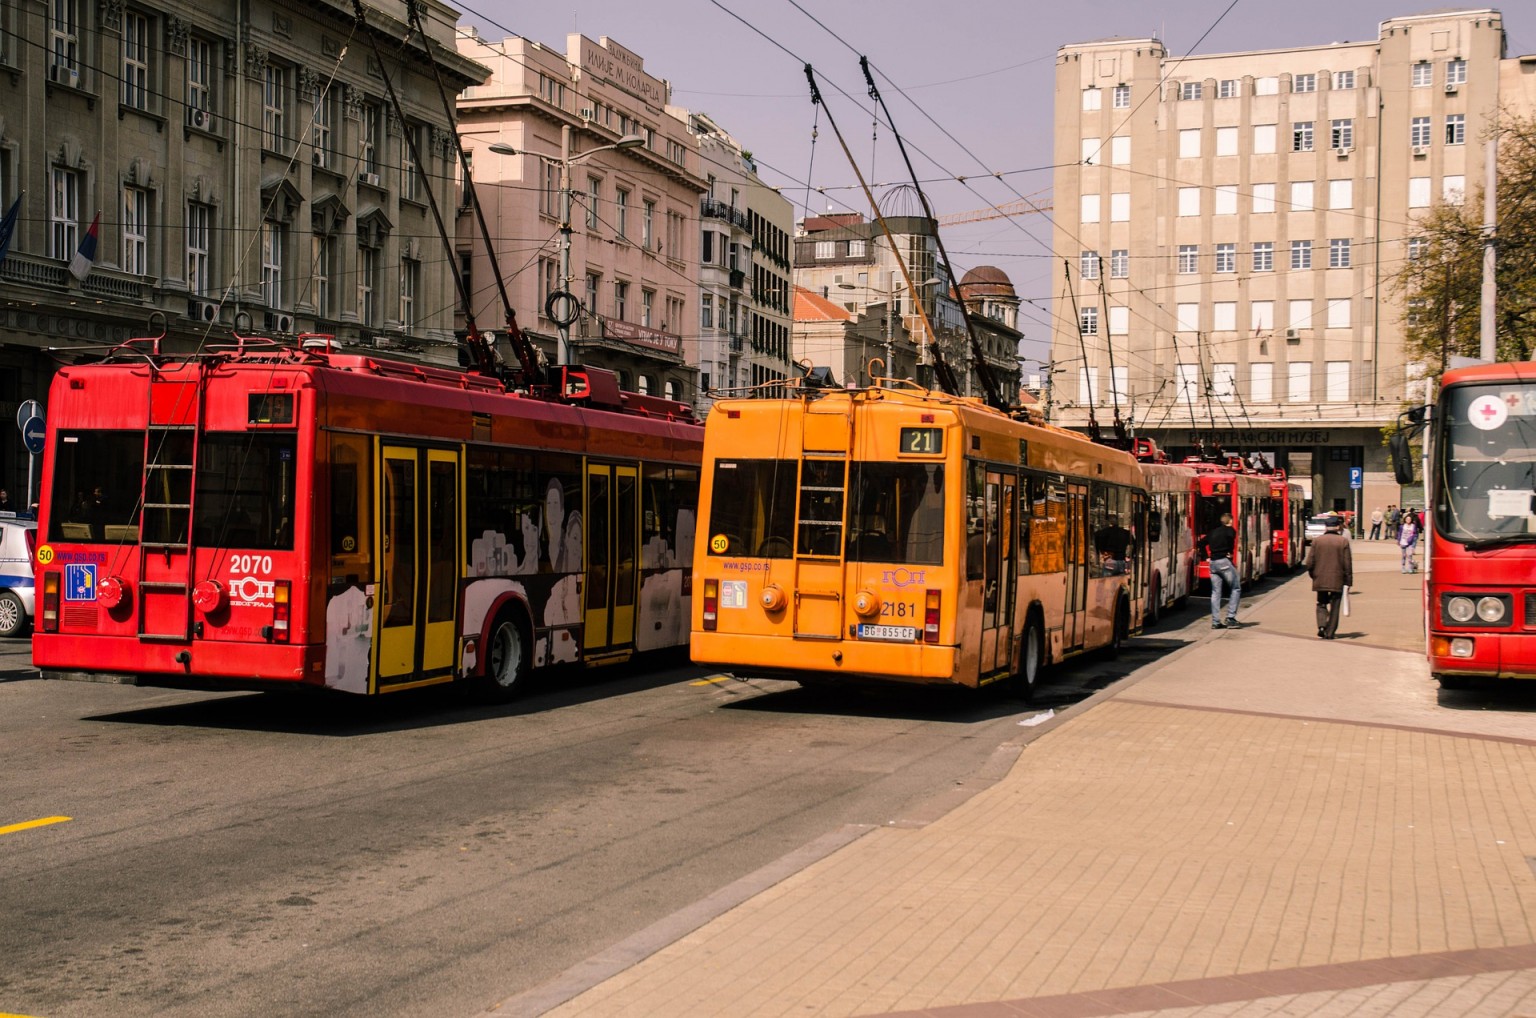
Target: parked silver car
18	540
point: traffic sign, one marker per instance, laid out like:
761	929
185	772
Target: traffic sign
1356	477
33	433
29	409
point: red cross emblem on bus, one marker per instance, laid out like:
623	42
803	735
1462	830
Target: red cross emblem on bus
1489	411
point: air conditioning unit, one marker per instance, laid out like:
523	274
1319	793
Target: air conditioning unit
200	119
587	113
1421	150
1451	87
65	75
371	179
202	311
317	157
1344	152
1292	336
277	322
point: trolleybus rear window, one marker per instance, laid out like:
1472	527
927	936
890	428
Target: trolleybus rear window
97	478
753	508
897	513
245	486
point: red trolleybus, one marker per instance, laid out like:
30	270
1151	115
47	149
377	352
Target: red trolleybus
269	517
1287	523
1480	587
1221	489
903	536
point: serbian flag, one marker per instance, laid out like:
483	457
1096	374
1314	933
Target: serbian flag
8	227
86	256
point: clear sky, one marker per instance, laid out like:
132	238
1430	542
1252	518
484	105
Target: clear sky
969	84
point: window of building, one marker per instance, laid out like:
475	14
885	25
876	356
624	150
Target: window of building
1189	143
1224	316
1191	90
1120	151
1226	257
64	214
1263	198
1456	72
1304	83
367	283
1227	88
1341	134
272	237
1224	382
1422	74
594	281
549	188
373	133
856	249
674	234
1418	192
647	307
1263	139
552	91
136	49
1418	132
274	108
1121	99
1261	315
322	128
1341	194
1261	382
1119	263
620	300
1088	320
1417	246
621	212
824	249
707	312
1301	196
1119	321
1455	128
1087	385
1225	202
1089	213
199	247
322	267
1301	136
1338	381
1299	389
136	231
1187	316
200	78
594	192
1088	265
648	225
1090	151
410	172
1189	201
1093	99
1120	207
64	41
410	282
1301	254
1264	256
1338	313
1189	258
1187	378
1266	86
1453	188
1343	79
1338	253
1299	313
1226	141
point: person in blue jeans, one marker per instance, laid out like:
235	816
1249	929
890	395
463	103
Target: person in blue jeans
1221	543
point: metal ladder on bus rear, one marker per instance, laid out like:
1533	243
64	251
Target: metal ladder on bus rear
160	477
806	593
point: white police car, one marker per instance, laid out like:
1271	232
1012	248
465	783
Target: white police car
18	539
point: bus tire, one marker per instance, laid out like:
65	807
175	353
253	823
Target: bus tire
1031	658
1120	627
1454	681
508	660
1155	602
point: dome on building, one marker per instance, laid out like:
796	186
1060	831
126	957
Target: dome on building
987	281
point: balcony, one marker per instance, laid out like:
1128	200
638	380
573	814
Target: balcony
713	208
738	279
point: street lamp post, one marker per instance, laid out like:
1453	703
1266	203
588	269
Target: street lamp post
563	308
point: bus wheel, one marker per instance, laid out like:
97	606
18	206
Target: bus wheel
507	664
1155	604
1454	681
1120	628
1032	660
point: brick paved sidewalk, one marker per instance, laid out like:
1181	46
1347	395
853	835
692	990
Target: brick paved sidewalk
1262	821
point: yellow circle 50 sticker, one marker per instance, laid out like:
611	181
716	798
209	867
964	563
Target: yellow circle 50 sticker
45	555
719	544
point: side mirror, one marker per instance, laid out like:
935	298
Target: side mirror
1402	457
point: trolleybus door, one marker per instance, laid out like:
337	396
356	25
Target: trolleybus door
612	543
1001	572
1076	616
419	549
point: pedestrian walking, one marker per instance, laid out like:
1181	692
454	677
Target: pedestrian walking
1331	567
1408	541
1377	519
1394	520
1221	545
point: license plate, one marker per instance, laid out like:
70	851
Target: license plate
907	633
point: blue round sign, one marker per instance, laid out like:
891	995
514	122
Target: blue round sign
33	433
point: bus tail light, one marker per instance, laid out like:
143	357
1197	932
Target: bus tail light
208	596
931	606
50	602
111	591
711	604
281	591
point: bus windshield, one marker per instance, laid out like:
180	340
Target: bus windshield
1487	475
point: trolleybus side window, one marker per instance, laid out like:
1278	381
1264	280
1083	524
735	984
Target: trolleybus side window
97	479
351	511
667	517
245	493
560	487
752	510
897	514
1114	532
443	491
503	512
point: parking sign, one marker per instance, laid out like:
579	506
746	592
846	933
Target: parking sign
1356	477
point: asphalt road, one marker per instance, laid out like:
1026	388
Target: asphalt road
239	854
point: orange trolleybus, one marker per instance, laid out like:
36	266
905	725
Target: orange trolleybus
899	535
269	516
1480	493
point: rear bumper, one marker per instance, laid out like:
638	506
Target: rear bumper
828	660
1504	655
204	663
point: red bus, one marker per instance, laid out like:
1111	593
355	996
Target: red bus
1172	548
1287	523
1223	489
268	516
1480	493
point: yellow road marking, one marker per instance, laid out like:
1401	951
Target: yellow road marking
44	822
713	680
5	1014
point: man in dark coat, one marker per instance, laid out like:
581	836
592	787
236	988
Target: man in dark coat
1332	569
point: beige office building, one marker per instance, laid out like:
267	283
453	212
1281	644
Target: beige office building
1233	222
